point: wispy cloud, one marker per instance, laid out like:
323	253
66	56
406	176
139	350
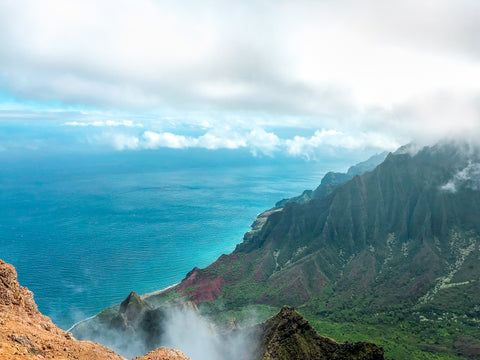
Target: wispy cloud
469	177
126	123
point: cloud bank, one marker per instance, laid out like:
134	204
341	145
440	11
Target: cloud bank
401	69
258	141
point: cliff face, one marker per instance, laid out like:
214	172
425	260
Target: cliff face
396	249
27	334
391	233
396	245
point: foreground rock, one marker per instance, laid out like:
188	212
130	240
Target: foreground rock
27	334
288	335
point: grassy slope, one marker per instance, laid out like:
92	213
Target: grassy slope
382	260
401	339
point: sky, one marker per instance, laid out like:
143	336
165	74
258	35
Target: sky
294	78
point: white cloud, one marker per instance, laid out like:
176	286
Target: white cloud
153	140
403	69
307	147
257	141
211	141
469	177
265	142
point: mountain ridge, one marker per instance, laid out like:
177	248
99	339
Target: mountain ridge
332	179
391	249
398	238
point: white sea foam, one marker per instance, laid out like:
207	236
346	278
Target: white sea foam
80	322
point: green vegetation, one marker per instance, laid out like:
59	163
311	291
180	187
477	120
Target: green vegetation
108	313
403	336
389	257
289	336
401	340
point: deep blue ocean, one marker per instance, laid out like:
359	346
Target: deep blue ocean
85	230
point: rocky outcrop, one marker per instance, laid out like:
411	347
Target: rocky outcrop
27	334
12	294
288	335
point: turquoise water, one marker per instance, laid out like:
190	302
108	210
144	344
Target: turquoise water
83	231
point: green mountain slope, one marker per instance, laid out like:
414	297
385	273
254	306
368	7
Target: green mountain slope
399	244
390	256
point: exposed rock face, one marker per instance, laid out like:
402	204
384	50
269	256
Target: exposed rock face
11	293
27	334
288	336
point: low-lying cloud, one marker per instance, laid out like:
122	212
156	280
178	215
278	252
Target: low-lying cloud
469	178
200	340
303	146
257	141
181	328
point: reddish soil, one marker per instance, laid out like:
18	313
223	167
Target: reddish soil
204	288
207	290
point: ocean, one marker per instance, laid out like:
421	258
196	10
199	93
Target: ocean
85	230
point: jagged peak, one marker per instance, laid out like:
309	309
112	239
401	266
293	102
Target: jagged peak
288	312
133	299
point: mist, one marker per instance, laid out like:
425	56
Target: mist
199	339
468	177
177	327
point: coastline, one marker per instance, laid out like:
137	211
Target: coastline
144	296
80	322
147	295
